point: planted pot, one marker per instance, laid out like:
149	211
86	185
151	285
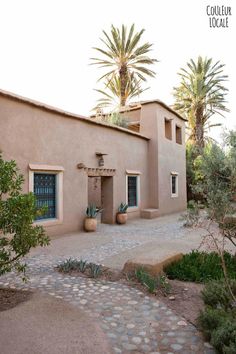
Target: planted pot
121	218
90	224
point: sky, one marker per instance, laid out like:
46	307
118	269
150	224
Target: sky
46	46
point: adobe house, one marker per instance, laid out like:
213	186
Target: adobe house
70	161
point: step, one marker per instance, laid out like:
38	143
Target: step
149	213
153	266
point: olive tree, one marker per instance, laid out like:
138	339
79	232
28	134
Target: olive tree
215	180
18	234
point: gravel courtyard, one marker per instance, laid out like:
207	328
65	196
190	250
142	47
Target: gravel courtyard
132	321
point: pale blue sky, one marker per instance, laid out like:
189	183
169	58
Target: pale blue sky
46	46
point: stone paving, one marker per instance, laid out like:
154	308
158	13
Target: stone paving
109	249
132	321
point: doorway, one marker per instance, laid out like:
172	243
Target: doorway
100	193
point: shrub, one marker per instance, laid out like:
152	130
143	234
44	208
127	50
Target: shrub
72	264
216	294
201	266
219	327
82	266
91	269
191	216
18	234
146	279
94	270
218	319
152	283
162	283
210	319
224	337
68	265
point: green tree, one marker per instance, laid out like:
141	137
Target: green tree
17	214
200	95
125	57
230	141
112	92
214	177
191	172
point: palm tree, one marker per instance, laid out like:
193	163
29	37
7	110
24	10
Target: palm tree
201	94
112	93
125	57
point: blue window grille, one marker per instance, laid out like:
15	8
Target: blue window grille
45	192
132	191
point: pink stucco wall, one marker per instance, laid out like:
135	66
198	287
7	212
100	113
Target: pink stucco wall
165	156
31	134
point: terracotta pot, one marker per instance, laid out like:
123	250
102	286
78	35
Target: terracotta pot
90	224
121	218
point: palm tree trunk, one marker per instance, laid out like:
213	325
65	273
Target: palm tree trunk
198	133
123	83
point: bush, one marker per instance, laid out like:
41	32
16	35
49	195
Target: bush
210	319
72	264
219	327
151	283
18	234
191	216
146	279
201	266
218	319
224	337
91	269
217	295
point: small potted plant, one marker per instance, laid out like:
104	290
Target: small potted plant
121	216
90	222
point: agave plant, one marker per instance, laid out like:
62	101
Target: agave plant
92	211
68	265
123	208
73	264
82	265
95	269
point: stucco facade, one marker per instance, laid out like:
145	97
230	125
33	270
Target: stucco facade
44	139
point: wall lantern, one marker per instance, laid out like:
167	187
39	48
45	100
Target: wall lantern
100	158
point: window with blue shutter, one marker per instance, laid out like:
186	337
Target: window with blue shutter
132	191
45	192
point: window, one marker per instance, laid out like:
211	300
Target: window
45	193
168	131
174	185
46	182
178	134
132	191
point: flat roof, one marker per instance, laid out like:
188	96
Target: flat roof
137	105
44	106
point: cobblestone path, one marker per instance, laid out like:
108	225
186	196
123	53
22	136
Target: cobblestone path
132	321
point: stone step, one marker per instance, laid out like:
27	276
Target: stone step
153	266
149	213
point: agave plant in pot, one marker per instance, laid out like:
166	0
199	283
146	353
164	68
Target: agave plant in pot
90	222
121	216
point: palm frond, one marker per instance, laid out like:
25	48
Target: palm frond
201	93
123	55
